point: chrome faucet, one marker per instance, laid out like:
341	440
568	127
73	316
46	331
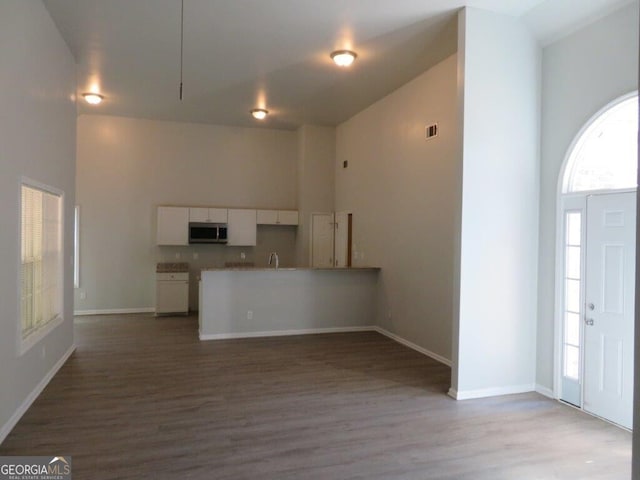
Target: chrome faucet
273	255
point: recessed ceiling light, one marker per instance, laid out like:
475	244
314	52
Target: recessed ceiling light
259	113
343	58
93	98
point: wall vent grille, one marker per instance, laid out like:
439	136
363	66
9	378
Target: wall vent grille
431	131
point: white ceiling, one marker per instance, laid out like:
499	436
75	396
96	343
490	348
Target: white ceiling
241	54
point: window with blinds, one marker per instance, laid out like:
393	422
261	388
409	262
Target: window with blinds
41	276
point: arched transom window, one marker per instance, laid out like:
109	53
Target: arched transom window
605	156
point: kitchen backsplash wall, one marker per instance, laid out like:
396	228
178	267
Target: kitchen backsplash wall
126	167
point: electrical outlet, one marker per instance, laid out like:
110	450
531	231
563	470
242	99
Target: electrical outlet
83	295
178	256
242	255
195	255
249	314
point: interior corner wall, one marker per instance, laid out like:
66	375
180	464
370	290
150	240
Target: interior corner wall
316	159
37	138
129	166
581	74
499	218
402	190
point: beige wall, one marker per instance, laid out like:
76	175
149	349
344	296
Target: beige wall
37	138
126	167
402	191
316	161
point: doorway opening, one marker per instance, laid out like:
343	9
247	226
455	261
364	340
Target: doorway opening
331	240
595	265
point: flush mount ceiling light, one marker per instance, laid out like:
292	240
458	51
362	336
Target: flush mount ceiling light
343	58
93	98
259	113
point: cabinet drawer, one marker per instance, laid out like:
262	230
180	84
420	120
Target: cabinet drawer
167	276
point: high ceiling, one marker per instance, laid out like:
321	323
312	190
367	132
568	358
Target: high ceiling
274	54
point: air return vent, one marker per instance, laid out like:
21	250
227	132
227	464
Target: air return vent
431	131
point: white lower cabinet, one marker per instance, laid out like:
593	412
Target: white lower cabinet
172	293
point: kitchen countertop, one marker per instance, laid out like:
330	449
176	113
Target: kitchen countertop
178	267
288	269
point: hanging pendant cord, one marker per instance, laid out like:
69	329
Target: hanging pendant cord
181	43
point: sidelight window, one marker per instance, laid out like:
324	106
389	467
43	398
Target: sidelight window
572	294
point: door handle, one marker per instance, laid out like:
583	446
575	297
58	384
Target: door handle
591	306
589	321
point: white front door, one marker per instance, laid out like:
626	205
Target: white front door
609	307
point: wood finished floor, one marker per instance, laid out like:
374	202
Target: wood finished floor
142	398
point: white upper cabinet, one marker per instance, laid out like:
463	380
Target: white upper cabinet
277	217
267	217
173	226
241	228
208	215
287	217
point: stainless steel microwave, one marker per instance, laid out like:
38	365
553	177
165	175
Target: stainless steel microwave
207	232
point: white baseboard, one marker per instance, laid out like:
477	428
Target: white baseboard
490	392
547	392
22	409
413	346
114	311
284	333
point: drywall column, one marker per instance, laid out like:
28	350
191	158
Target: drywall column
316	157
37	134
494	342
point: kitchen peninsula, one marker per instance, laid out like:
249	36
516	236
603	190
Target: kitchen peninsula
248	302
